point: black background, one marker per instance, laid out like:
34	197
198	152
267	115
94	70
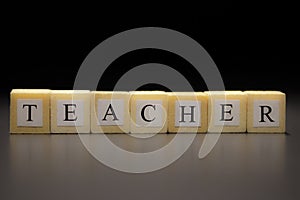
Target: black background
254	45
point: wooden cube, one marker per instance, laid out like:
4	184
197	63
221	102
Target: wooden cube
266	112
70	111
227	111
29	111
187	112
110	112
149	110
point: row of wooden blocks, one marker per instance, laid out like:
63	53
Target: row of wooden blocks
83	111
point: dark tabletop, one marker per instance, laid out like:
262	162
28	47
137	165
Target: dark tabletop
241	166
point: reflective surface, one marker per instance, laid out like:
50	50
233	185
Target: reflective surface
241	166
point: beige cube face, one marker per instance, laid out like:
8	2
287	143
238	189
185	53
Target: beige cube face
70	111
30	111
187	112
266	112
227	109
110	112
149	110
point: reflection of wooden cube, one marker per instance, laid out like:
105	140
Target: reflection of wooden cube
149	110
29	111
187	112
227	109
70	111
110	112
266	111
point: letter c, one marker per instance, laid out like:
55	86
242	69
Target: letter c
143	112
